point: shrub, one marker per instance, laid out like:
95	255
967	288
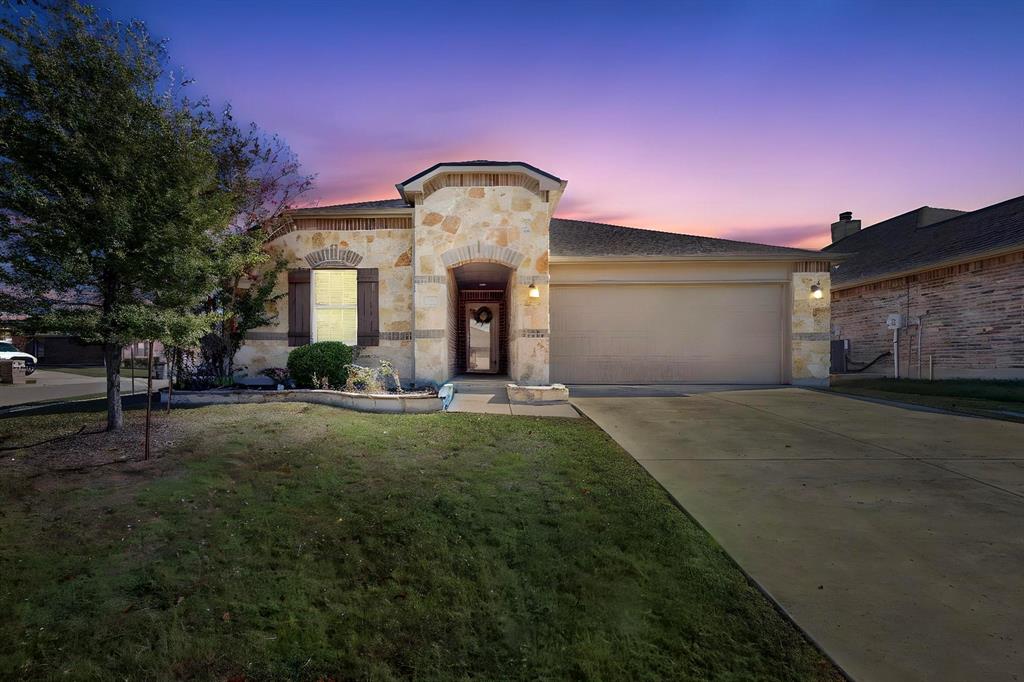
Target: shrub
325	359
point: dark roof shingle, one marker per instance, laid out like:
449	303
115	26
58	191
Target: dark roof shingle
927	236
357	206
581	238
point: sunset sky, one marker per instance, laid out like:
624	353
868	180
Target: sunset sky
750	120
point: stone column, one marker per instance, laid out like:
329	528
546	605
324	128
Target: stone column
430	338
810	324
529	336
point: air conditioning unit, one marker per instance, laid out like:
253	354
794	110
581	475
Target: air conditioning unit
840	347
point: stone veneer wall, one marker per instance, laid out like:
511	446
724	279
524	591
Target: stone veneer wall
972	320
809	320
504	224
389	250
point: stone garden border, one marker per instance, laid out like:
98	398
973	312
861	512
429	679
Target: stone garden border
537	395
397	403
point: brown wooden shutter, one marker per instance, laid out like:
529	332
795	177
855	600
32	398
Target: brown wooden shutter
367	284
298	307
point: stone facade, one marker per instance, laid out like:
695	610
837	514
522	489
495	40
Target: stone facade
968	320
809	321
507	225
390	250
504	220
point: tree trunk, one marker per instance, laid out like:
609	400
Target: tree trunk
149	394
169	360
115	415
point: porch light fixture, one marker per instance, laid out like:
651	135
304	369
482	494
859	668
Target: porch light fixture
816	291
534	291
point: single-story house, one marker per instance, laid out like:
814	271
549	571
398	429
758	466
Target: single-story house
941	291
467	271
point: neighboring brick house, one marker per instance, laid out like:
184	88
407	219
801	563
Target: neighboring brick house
956	279
469	272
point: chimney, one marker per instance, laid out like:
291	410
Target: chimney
845	227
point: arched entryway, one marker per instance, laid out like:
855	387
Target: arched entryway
478	324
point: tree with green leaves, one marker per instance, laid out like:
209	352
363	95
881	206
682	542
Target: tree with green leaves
264	177
113	212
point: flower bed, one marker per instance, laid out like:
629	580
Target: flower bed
409	403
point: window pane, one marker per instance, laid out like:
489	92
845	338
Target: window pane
337	324
334	287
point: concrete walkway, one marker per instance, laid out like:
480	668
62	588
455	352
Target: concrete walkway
64	385
497	403
894	537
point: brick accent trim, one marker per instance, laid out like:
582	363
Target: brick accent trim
533	333
430	279
266	336
478	251
333	257
343	224
430	333
812	266
396	336
483	179
527	280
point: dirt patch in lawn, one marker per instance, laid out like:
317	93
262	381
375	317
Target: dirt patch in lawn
63	456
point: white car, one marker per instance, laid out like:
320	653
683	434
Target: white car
8	351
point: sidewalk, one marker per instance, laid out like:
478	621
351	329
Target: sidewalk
52	386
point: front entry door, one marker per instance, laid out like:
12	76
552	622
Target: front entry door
482	337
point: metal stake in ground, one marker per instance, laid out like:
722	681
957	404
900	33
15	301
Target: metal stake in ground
149	394
169	358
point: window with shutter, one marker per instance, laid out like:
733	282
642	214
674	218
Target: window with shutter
298	307
335	309
368	307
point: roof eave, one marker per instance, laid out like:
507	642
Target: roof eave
958	260
349	212
414	185
719	257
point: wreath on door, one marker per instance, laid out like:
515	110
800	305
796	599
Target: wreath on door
483	315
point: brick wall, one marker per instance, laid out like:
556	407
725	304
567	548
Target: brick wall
972	320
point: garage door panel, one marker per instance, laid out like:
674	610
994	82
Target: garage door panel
666	334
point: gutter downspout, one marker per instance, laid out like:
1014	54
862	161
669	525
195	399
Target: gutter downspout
920	333
896	352
415	215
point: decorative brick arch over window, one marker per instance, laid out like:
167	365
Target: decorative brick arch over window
333	257
478	252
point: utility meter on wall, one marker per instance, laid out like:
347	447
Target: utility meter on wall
894	321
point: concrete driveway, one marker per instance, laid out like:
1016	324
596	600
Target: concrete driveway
894	537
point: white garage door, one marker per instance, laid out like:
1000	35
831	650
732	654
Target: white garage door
624	334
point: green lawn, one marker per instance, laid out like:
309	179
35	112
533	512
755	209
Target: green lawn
304	542
970	396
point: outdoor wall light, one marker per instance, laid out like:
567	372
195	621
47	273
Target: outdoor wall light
816	291
534	291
